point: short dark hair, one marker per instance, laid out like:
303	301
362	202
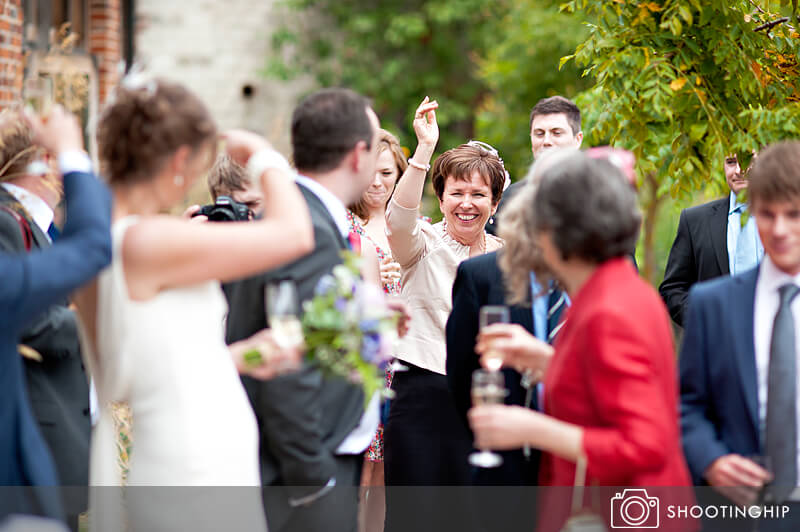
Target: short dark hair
557	105
588	207
326	126
226	177
462	162
775	175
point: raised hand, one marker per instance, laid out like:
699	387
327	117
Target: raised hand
241	144
58	132
425	126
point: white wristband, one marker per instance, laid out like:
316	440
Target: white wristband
265	159
419	166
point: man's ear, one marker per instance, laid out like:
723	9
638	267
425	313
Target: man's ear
579	139
360	156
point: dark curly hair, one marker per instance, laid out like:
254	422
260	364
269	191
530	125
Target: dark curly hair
143	127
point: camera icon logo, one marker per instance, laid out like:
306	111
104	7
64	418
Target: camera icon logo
634	508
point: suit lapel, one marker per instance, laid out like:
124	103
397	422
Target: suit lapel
718	227
40	240
742	300
316	205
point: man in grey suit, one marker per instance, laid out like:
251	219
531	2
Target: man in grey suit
314	431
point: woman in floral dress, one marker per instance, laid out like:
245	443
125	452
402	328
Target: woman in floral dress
367	220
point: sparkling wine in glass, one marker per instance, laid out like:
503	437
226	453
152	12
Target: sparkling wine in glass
282	309
490	314
488	388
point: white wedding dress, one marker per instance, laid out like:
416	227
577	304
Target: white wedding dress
192	423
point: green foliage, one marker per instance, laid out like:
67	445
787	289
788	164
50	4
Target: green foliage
521	66
395	52
682	83
486	63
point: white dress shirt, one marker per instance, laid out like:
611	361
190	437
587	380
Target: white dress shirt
767	300
37	208
359	439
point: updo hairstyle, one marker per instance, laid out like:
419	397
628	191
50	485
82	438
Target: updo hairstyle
144	126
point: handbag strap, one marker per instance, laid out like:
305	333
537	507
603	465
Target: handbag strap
578	486
24	226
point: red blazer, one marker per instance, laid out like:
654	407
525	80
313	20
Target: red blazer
614	374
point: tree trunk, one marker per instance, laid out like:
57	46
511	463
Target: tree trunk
651	205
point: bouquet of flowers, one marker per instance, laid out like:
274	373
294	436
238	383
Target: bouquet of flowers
348	329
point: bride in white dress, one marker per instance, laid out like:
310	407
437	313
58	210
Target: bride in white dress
154	319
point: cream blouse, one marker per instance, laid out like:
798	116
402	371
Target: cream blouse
429	258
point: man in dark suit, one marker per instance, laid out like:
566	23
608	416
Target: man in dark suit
58	387
738	363
32	284
555	123
314	431
706	244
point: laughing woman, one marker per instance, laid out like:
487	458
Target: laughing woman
425	441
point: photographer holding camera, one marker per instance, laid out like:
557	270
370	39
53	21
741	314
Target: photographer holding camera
236	195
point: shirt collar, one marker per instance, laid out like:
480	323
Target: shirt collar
38	209
771	278
334	205
734	204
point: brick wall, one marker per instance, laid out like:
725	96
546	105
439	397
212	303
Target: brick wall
11	62
105	42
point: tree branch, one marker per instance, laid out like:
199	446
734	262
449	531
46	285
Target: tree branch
769	25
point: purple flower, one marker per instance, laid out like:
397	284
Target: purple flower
340	304
325	286
371	348
368	326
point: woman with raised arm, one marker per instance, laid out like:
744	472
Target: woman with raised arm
426	443
155	317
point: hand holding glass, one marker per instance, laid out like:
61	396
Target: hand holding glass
490	314
488	388
282	310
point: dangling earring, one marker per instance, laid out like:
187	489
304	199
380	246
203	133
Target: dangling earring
178	180
491	219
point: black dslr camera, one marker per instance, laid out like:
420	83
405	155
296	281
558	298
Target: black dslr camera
225	209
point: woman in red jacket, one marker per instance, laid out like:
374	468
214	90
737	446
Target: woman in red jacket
610	388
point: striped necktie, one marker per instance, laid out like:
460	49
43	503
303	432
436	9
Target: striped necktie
556	302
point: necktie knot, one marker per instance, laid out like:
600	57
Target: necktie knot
787	293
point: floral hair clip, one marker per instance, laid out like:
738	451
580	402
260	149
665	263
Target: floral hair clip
492	150
135	78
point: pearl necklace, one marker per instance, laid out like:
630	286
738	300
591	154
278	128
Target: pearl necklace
483	240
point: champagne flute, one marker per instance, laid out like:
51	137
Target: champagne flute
282	306
488	388
490	314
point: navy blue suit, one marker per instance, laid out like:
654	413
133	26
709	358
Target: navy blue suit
719	393
31	282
